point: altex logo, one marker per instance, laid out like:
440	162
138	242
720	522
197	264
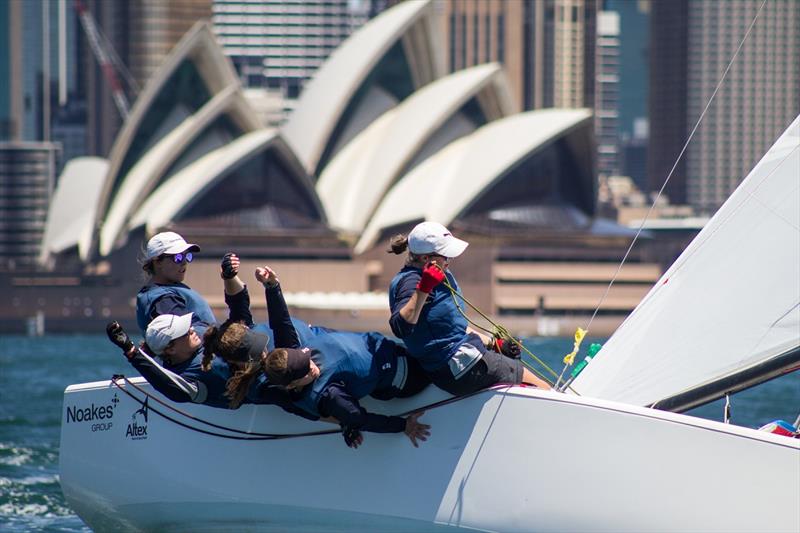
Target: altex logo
137	429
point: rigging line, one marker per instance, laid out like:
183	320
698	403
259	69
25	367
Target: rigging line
675	165
499	330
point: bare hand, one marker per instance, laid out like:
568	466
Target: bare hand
266	276
417	430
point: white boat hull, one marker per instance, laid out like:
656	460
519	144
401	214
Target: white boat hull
513	459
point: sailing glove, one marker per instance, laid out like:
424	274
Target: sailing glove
352	436
228	272
432	275
508	348
118	336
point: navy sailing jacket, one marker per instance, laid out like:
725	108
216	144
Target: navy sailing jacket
178	299
357	362
441	328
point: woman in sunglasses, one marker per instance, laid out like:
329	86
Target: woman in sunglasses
426	317
165	261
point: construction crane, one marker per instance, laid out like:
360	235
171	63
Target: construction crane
108	60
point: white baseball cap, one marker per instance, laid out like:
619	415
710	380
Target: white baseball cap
433	238
168	242
166	328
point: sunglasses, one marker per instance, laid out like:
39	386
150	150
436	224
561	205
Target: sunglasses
179	258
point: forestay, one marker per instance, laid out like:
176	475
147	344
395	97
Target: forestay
730	301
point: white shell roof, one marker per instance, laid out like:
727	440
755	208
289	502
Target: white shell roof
144	175
446	184
70	219
355	181
177	194
199	46
325	98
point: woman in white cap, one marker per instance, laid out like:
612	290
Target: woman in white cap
425	316
186	374
165	261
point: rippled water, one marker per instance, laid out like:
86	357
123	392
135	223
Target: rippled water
35	372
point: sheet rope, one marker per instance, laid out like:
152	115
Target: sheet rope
499	331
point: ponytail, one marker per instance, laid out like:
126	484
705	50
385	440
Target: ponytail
210	344
238	384
398	244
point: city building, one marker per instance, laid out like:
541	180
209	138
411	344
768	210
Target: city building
279	44
29	68
26	186
546	46
140	33
155	28
607	90
692	43
634	23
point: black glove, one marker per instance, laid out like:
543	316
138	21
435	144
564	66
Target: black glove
227	268
508	347
118	336
352	436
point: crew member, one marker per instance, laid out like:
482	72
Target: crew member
329	373
425	315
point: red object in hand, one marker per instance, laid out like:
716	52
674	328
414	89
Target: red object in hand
432	275
507	348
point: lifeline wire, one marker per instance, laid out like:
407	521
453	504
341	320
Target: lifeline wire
675	165
253	436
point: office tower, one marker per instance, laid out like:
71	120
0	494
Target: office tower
141	33
280	43
633	154
546	46
28	68
155	27
634	23
575	35
692	42
26	186
484	31
606	113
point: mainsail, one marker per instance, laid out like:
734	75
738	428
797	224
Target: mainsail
727	313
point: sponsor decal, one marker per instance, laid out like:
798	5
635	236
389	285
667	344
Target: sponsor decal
137	429
92	413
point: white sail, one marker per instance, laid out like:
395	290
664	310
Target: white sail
730	301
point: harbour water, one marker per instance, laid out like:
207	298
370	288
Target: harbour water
35	371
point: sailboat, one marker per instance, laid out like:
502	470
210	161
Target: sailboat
614	455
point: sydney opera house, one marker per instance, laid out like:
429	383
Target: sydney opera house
381	138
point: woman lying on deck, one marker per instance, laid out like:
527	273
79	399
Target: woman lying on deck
326	375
